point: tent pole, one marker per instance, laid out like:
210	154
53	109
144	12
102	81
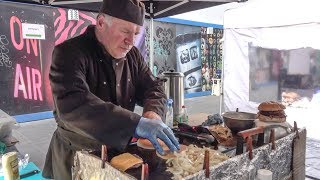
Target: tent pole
171	7
151	54
222	48
221	84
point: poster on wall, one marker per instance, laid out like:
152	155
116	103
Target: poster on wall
163	44
188	56
23	61
188	45
211	57
65	29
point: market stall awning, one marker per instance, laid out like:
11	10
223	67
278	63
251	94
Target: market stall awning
154	8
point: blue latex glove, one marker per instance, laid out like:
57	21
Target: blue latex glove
152	129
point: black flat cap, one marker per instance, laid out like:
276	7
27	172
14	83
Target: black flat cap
129	10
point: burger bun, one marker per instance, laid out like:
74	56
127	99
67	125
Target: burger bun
271	106
146	144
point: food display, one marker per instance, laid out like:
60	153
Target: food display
271	111
232	154
223	135
191	161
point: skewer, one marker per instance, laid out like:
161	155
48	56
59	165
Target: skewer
206	163
272	139
104	156
145	171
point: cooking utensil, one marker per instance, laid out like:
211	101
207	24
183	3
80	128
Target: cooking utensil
238	121
198	134
30	173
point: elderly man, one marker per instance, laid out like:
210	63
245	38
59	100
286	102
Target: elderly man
96	79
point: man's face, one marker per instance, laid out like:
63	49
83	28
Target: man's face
117	37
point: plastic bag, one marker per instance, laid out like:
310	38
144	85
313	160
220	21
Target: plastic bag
23	162
6	124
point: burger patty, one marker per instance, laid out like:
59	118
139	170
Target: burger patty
280	114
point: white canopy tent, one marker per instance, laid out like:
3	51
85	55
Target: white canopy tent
274	24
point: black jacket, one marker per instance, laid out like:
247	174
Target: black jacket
94	96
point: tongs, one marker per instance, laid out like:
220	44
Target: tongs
199	133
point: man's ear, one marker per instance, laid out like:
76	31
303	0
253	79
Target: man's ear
100	22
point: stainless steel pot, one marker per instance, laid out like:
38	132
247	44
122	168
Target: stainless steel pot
239	121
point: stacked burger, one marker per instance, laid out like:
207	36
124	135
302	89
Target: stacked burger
271	111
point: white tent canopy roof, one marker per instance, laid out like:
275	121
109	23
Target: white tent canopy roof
211	15
271	13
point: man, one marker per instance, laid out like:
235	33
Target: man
96	80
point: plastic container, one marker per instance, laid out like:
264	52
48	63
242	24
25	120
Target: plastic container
169	115
184	117
6	124
264	174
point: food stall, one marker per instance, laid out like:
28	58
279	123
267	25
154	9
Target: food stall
207	154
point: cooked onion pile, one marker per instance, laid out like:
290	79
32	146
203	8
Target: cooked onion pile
190	161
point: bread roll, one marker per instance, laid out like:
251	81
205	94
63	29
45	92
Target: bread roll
271	106
146	144
125	161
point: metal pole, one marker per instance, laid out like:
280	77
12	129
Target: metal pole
222	76
151	55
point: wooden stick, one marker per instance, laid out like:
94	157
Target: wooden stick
250	132
104	156
206	163
145	171
295	128
239	148
272	139
249	147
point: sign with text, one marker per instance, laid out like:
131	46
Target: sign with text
33	31
25	58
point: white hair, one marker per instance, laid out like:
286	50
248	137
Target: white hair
108	19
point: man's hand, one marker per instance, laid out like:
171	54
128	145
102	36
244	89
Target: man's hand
151	115
153	129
